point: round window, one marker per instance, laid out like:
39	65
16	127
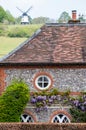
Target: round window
43	82
60	118
26	118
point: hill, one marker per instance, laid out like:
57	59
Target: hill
13	35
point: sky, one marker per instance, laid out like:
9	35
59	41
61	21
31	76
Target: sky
45	8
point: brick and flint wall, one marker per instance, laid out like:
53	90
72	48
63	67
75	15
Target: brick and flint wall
62	78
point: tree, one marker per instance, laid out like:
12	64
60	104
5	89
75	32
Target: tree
82	18
13	101
9	17
2	14
18	20
64	17
41	20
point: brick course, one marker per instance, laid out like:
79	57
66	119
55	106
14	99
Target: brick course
2	80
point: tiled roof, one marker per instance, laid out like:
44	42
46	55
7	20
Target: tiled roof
53	43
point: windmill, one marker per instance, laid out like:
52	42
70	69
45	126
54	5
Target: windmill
25	18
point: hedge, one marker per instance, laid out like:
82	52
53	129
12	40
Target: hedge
42	126
13	101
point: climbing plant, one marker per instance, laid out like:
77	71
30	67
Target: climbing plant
78	109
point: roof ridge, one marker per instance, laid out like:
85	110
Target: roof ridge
65	24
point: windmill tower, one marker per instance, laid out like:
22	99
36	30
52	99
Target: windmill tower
25	18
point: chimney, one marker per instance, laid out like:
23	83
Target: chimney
74	13
74	18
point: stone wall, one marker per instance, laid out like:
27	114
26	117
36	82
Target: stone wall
63	79
46	116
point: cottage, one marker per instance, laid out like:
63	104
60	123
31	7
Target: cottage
54	57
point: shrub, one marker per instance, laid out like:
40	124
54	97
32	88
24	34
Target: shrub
18	32
13	101
3	29
78	110
78	115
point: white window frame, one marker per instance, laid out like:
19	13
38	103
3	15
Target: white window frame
25	119
42	82
61	119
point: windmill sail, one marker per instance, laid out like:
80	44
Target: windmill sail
25	18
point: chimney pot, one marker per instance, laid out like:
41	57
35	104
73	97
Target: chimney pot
74	12
74	18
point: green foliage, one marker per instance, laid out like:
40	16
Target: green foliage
54	92
47	93
13	101
18	20
22	30
41	20
2	14
10	18
6	17
66	93
1	30
18	32
78	110
44	99
64	17
78	115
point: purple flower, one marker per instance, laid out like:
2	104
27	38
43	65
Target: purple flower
39	98
53	97
76	103
84	103
50	100
44	98
37	109
84	97
82	108
33	100
45	108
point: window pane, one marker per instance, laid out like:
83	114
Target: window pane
45	85
45	79
40	84
39	79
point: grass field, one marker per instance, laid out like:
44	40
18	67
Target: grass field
8	44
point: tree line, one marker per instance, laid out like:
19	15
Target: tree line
7	18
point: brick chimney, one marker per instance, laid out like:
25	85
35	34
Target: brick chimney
74	17
74	13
